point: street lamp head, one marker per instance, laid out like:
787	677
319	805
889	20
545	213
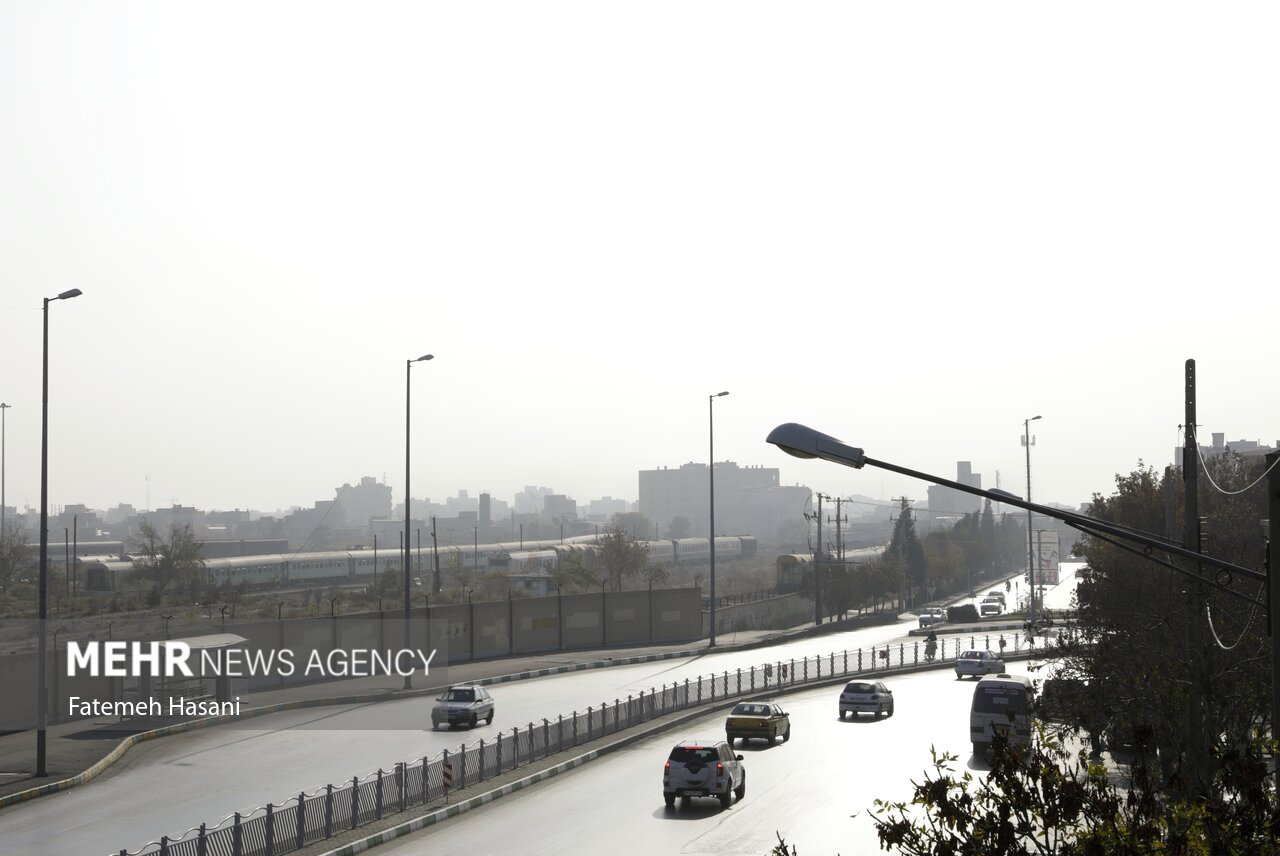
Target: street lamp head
423	358
804	442
67	295
1033	418
720	394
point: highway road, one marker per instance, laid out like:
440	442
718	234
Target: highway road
167	786
817	789
170	785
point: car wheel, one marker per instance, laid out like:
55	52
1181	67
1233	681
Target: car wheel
488	720
979	749
740	791
474	721
786	735
669	799
727	796
891	708
842	713
435	725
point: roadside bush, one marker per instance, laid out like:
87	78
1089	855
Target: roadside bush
965	613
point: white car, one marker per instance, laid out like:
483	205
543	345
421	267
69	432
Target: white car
991	606
932	615
866	697
976	663
466	704
703	768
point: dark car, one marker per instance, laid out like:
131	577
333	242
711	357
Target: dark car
463	705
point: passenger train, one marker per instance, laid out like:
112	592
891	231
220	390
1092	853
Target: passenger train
528	563
792	567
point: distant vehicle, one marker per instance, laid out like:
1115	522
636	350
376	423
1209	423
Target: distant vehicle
463	705
999	594
976	663
1001	707
761	720
703	768
932	615
866	697
991	606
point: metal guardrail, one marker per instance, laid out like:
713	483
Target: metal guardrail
273	830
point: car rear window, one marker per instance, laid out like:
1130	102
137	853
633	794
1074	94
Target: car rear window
460	695
751	710
999	699
685	754
859	688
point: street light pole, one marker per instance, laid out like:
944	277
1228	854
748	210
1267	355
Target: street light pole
1031	565
42	678
711	473
408	364
3	408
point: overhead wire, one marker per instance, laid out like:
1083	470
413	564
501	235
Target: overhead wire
1209	476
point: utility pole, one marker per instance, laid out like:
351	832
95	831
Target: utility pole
435	555
817	565
1195	590
839	537
1273	590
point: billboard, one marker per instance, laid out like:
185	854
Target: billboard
1046	541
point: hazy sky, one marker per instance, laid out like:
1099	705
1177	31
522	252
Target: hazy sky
910	225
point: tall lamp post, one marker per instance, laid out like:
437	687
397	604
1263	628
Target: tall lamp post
1031	564
42	677
3	408
711	473
408	364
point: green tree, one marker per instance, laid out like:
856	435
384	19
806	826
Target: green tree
1046	802
1134	624
905	553
15	561
637	525
171	564
620	557
574	571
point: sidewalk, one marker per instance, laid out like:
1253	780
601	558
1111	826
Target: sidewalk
78	751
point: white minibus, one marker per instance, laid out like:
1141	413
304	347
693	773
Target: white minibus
1001	705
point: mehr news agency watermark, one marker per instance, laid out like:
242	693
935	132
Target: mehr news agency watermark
176	661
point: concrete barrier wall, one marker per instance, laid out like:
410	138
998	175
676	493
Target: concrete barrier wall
775	613
459	632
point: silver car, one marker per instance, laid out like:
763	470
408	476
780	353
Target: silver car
463	705
866	697
703	768
976	663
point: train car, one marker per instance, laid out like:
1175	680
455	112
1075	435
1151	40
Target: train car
692	551
661	552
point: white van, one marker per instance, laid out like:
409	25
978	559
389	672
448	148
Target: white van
1001	705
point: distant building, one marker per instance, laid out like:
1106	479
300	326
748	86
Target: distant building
666	494
603	510
946	500
529	500
363	502
1244	448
